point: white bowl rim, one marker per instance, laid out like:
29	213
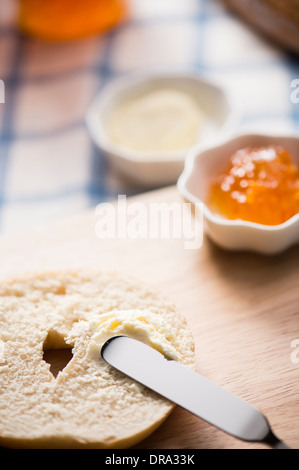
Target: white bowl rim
190	162
146	75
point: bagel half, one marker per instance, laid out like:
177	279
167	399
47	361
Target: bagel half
88	404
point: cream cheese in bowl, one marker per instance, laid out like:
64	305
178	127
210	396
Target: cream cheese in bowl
146	122
165	119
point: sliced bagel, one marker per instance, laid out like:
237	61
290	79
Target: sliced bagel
88	404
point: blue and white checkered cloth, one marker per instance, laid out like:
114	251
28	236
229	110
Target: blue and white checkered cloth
49	168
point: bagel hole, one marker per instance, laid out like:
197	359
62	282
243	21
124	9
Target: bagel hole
56	352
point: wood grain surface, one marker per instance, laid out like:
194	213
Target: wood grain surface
243	309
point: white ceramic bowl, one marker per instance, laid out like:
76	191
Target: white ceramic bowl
156	169
203	164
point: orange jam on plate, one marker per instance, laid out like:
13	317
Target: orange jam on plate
260	185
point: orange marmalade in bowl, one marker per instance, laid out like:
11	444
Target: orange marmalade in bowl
260	185
64	20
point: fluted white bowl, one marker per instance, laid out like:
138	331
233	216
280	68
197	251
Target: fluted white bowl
203	164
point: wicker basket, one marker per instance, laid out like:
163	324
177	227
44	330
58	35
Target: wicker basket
277	19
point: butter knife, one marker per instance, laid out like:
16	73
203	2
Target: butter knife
189	390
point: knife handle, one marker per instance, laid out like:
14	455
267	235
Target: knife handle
273	441
281	445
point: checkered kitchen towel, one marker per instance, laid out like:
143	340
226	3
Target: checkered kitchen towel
48	166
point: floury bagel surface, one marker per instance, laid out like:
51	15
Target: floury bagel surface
88	404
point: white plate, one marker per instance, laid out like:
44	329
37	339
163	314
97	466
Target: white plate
156	169
204	164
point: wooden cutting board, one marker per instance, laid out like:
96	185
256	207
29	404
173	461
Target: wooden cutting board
243	309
